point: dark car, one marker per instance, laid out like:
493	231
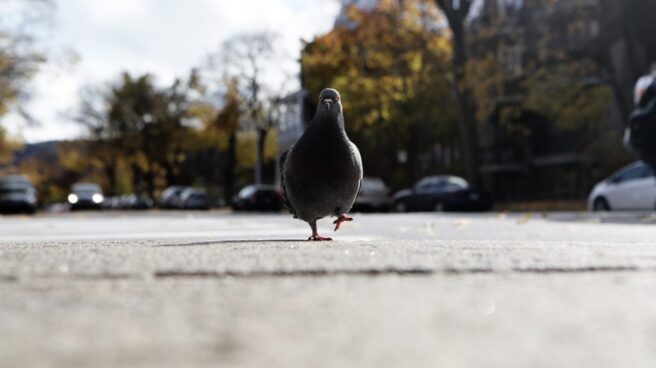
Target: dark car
86	196
135	202
17	195
170	197
258	198
441	193
194	199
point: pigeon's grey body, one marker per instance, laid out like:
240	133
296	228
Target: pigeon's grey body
322	172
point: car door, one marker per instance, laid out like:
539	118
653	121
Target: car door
645	191
423	193
623	190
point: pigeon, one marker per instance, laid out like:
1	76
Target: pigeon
321	174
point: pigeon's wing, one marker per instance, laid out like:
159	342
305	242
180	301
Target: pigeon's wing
281	164
358	159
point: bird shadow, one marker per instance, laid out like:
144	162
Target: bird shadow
229	241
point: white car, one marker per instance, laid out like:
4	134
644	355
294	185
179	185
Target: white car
631	188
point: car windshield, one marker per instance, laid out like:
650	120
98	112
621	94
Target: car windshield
85	193
373	184
426	182
172	191
456	183
247	191
6	189
637	172
86	188
443	183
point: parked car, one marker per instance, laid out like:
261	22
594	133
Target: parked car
136	202
170	197
373	196
441	193
112	203
258	198
86	196
194	199
17	195
631	188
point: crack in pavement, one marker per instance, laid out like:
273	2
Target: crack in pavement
295	273
373	272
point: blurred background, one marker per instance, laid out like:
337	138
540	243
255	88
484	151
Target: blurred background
137	104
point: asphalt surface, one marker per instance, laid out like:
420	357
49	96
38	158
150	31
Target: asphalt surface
177	289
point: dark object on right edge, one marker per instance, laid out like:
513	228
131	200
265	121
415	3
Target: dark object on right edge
640	135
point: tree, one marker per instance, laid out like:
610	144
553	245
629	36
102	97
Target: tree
104	144
19	62
142	125
249	59
627	46
456	12
397	101
220	134
7	147
541	90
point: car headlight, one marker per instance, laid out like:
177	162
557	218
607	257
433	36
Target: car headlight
72	199
97	198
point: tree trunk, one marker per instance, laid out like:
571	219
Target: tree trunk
150	181
110	172
169	172
261	141
620	54
229	173
467	120
137	178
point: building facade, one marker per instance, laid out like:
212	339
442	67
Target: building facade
528	153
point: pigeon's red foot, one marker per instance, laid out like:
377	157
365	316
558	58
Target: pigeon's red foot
317	237
343	217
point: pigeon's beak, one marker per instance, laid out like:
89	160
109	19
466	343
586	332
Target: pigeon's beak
327	103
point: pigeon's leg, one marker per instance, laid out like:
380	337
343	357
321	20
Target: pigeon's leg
315	235
343	217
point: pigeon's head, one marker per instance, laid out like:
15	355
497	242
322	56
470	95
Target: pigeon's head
329	101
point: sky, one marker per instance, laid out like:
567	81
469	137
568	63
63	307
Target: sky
90	42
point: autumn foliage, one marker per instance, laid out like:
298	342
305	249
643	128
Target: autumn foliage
392	67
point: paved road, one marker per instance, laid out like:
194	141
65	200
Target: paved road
418	290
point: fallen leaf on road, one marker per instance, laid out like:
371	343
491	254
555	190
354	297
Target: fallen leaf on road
462	223
525	218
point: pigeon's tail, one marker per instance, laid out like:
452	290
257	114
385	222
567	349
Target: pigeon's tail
281	164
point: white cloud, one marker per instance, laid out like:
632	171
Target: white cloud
163	37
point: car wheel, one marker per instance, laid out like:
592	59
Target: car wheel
600	204
400	207
439	207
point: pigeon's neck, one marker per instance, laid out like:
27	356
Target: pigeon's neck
331	126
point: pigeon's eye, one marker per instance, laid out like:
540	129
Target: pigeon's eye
337	98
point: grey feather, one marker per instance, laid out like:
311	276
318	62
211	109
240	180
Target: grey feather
281	165
322	172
